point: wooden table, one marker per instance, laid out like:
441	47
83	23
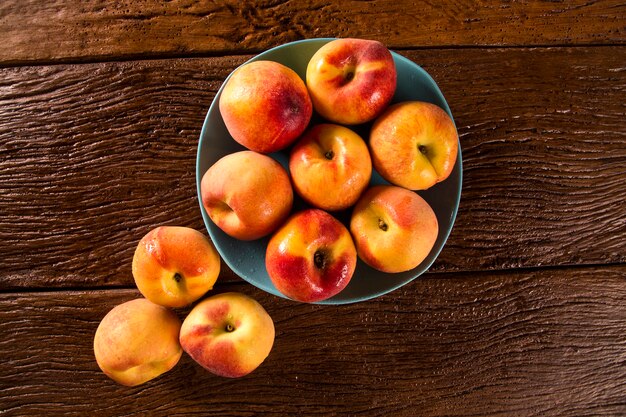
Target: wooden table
523	313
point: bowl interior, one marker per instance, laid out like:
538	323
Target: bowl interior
247	259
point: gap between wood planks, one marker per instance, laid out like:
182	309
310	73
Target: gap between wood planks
448	275
242	53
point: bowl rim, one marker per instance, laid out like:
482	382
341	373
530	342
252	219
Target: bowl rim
423	267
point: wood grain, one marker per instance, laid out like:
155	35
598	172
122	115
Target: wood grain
113	145
543	135
547	342
36	31
94	156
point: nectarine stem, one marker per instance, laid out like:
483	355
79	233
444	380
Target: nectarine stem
329	154
229	328
382	225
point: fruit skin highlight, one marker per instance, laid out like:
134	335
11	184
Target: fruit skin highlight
311	257
394	229
137	341
351	81
228	334
265	106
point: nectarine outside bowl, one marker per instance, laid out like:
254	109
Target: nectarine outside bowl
247	258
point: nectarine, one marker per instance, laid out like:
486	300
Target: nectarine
137	341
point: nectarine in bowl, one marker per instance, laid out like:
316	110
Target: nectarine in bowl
247	258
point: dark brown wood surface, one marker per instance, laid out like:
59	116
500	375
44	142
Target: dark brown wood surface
523	313
92	29
491	344
543	160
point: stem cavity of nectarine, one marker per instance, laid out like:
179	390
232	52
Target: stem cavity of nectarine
319	259
382	225
224	206
178	277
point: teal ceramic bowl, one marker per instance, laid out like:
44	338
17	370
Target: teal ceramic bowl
247	259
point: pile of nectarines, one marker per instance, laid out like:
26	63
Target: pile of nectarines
311	255
268	108
229	334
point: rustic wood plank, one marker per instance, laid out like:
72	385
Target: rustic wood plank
36	31
93	156
543	133
542	342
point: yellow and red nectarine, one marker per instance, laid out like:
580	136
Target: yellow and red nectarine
174	266
137	341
